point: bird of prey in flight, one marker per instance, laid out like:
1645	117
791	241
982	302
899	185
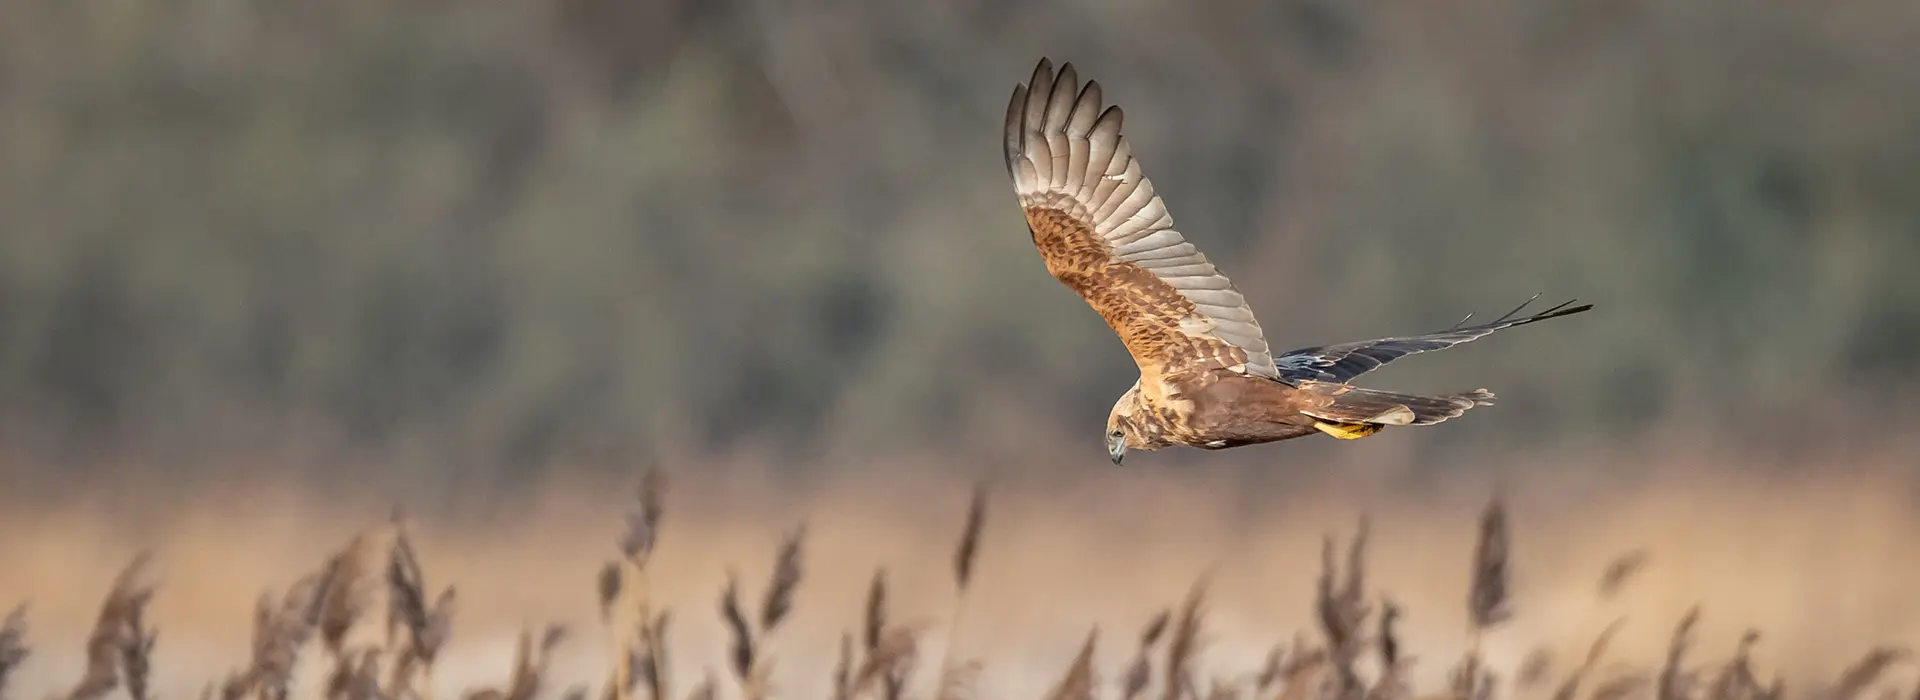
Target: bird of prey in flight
1207	377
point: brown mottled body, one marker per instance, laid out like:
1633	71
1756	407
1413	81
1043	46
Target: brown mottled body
1232	410
1217	409
1207	378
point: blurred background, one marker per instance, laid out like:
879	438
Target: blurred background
498	233
463	251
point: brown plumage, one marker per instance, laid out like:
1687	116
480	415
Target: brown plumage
1207	377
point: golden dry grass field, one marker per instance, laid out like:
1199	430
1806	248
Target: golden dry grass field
1816	561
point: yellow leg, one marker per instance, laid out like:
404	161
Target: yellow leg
1347	431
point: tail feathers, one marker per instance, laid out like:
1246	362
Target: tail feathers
1373	407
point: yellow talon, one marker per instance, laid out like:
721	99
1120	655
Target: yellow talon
1347	431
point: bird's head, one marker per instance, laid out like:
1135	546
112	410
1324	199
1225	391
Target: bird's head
1123	427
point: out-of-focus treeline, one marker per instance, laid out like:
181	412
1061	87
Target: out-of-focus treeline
494	232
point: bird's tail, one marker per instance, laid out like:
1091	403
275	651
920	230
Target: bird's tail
1356	412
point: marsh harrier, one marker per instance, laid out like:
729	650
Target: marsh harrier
1207	378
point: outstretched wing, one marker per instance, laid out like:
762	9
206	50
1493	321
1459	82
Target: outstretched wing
1343	362
1104	233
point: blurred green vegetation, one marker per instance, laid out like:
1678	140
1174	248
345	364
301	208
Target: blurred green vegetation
496	232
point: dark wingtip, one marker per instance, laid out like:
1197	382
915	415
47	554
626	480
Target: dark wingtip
1558	310
1563	310
1508	320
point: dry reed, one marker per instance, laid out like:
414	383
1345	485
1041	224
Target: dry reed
13	645
1675	680
1185	645
956	682
751	665
1343	611
1359	657
119	643
1570	688
1140	672
636	634
427	628
1862	674
1081	679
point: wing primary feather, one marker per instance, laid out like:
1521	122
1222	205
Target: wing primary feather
1060	99
1038	88
1085	111
1059	109
1122	148
1028	178
1080	148
1100	149
1039	91
1011	133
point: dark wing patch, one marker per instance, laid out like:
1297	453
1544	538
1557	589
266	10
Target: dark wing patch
1104	233
1343	362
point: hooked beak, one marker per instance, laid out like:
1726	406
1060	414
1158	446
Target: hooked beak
1116	448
